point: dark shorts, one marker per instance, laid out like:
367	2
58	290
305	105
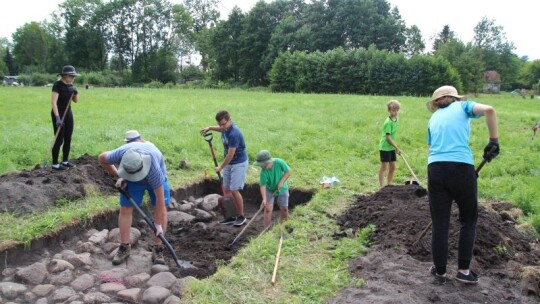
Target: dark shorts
388	156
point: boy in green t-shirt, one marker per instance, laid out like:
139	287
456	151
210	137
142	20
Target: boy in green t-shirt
387	145
273	182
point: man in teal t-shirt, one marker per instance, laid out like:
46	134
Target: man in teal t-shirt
273	182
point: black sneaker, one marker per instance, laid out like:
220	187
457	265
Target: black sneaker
240	220
228	221
67	165
471	278
441	278
59	168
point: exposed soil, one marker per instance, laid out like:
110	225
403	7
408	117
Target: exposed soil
395	271
203	244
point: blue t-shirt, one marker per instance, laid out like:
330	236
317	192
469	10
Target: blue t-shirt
158	171
449	131
233	138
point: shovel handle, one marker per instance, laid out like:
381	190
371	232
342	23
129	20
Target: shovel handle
245	227
153	226
410	169
484	161
274	274
208	136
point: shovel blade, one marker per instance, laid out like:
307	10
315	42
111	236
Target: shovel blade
185	264
412	182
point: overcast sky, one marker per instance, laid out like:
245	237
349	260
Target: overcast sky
517	17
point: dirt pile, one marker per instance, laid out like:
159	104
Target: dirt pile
38	189
506	258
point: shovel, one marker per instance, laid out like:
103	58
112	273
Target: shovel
179	263
208	138
418	192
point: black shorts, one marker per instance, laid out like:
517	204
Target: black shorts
388	156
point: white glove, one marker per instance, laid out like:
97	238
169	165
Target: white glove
159	230
120	183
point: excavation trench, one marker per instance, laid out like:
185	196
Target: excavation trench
202	242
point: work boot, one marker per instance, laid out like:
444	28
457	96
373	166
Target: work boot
121	254
157	255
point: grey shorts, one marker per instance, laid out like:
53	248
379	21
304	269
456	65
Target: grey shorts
234	176
282	199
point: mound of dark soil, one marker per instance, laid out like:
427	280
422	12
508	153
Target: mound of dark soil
503	255
38	189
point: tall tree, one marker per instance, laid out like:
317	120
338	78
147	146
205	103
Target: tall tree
182	41
205	15
32	47
465	59
85	46
497	51
446	35
361	23
225	41
414	44
529	74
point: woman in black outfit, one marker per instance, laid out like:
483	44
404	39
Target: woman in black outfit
62	92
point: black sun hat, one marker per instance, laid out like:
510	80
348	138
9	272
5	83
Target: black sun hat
68	70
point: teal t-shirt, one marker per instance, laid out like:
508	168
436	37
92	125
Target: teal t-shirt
270	177
389	127
449	131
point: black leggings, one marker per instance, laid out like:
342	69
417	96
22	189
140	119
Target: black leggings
64	137
448	182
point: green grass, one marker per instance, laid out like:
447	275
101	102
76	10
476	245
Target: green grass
318	135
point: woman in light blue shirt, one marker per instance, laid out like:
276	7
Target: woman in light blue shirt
452	177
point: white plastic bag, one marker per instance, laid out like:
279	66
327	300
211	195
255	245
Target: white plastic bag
328	182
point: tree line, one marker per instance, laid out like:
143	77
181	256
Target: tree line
130	42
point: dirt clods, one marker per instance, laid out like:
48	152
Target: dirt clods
505	257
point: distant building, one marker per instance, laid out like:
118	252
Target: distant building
492	82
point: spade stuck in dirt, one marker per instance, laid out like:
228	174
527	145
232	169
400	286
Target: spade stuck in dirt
180	263
418	192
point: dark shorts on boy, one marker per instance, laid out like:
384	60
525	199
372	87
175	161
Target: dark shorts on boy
388	156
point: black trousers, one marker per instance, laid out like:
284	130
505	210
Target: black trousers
64	137
448	182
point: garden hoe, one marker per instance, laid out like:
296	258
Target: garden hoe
428	226
245	227
418	192
180	263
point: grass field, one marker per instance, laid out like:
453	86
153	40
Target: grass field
318	135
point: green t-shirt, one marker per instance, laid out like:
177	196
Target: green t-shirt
270	178
389	127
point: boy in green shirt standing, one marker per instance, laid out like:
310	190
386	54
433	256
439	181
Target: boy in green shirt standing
273	182
387	145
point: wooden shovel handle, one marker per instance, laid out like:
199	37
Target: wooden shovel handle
277	260
410	169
